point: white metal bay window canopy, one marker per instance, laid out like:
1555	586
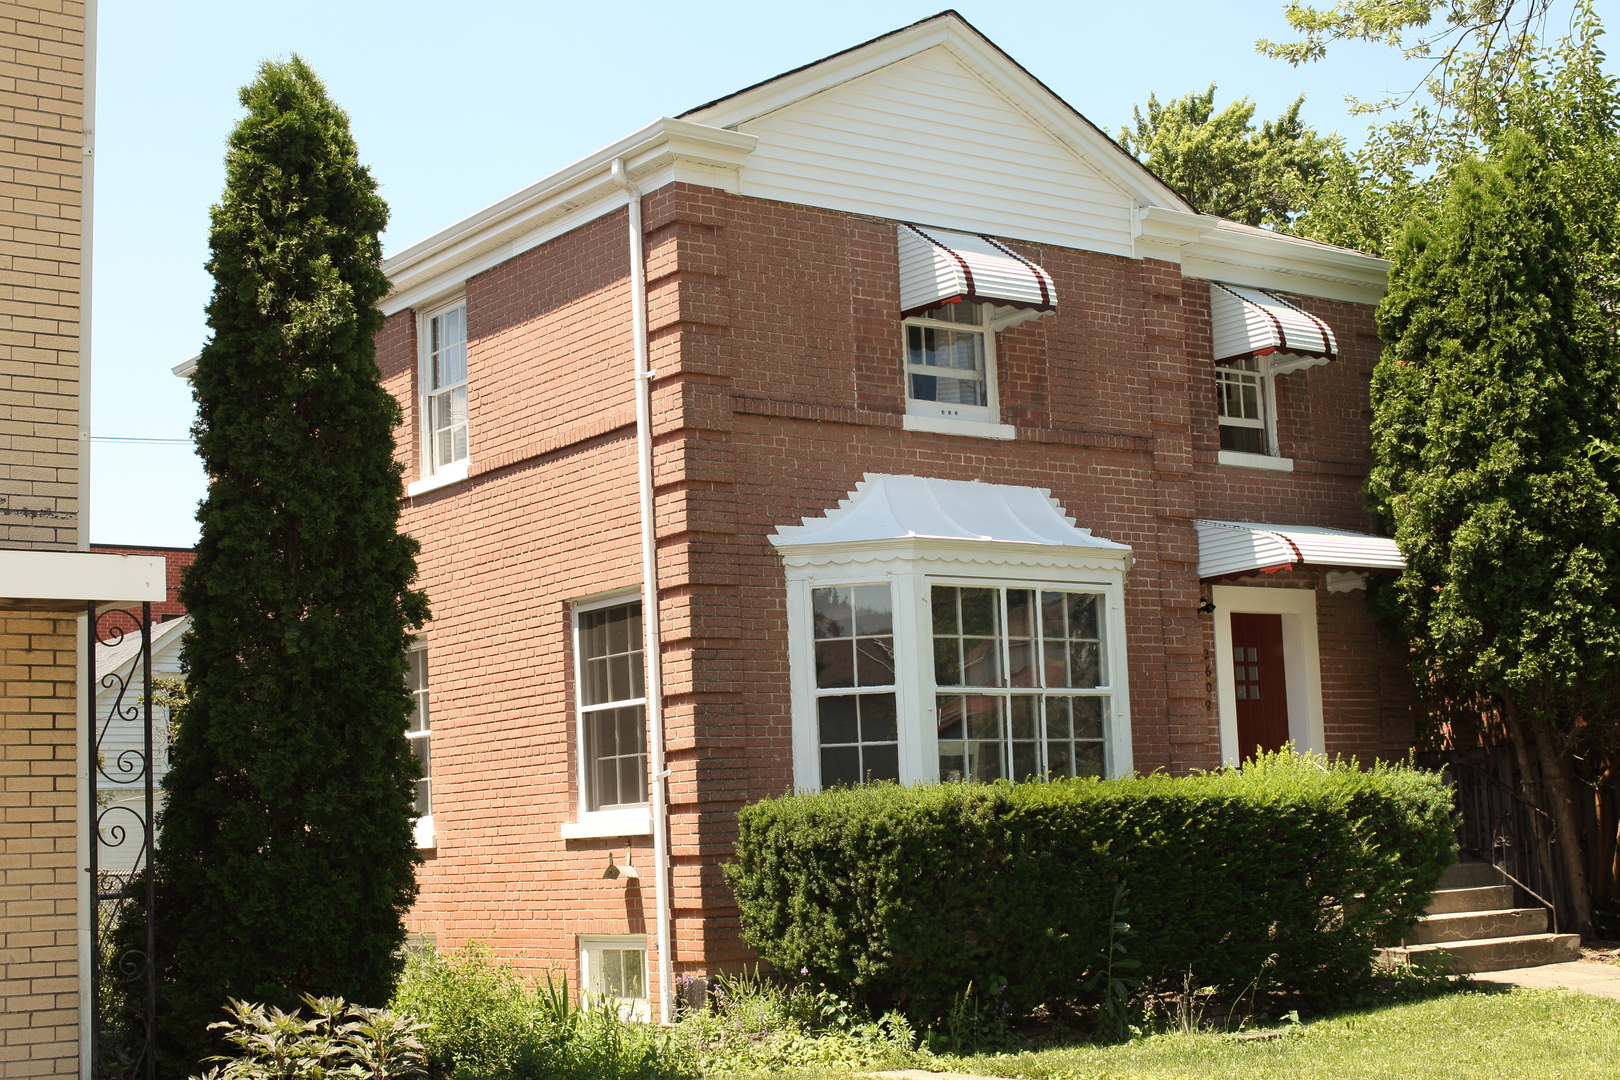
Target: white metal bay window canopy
946	629
938	267
1236	547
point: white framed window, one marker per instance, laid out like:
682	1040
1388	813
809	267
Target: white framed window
611	706
949	363
1245	405
856	720
1021	681
419	732
613	973
445	426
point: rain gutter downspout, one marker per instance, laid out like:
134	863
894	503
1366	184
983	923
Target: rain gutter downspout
649	599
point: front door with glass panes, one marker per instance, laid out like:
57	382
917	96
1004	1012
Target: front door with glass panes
1021	682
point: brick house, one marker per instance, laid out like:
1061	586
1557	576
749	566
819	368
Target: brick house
957	422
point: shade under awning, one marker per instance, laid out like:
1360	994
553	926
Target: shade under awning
939	267
1253	322
1234	547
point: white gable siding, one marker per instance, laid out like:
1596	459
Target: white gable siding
927	140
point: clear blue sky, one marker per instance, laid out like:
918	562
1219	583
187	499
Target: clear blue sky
457	105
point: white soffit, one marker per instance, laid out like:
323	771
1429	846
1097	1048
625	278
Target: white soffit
1253	322
938	266
1235	547
885	507
38	580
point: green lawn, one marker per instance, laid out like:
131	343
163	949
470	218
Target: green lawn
1533	1034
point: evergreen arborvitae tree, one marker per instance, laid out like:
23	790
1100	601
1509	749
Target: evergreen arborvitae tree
286	857
1496	385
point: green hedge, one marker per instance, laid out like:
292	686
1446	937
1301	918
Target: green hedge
903	895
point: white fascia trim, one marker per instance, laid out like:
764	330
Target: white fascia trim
1302	665
185	368
1011	81
453	473
942	425
1213	249
664	151
630	821
77	577
1255	461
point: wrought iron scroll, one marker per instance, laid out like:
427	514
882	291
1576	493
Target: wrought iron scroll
1502	827
122	978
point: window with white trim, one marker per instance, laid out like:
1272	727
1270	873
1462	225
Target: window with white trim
856	722
1243	389
1020	682
950	363
419	731
612	705
613	972
444	383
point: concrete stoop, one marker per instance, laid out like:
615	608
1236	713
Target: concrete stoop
1472	919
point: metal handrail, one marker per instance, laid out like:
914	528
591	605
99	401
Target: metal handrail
1500	826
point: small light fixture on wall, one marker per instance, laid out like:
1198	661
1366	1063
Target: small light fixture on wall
614	871
1206	606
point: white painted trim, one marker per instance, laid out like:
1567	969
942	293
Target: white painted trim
1302	663
944	425
424	832
1242	460
584	816
626	821
453	473
639	1008
76	577
664	151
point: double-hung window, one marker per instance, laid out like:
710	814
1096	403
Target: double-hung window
856	722
444	371
419	733
950	364
612	706
1020	682
1243	395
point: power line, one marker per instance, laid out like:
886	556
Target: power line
137	439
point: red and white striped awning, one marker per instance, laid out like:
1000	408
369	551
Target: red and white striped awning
1254	322
941	267
1236	547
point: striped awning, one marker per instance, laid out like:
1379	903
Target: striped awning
1236	547
940	267
1253	322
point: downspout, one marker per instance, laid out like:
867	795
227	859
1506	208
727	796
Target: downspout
654	665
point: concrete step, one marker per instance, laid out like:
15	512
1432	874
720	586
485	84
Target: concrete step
1486	898
1492	954
1471	875
1475	925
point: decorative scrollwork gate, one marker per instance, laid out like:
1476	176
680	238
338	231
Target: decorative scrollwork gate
120	803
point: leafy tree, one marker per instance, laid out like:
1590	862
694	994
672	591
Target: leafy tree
1223	164
1498	375
286	857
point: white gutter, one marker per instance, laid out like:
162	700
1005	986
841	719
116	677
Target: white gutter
653	665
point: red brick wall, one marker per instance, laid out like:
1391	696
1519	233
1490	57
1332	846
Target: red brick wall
176	561
775	337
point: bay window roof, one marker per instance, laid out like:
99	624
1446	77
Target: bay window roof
885	507
1234	547
941	267
1255	322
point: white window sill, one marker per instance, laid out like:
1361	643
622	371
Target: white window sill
1256	461
940	425
453	473
631	821
424	832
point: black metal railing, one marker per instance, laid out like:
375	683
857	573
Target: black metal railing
121	986
1500	826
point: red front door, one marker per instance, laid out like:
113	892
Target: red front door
1259	681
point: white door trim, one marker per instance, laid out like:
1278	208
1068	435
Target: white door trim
1301	661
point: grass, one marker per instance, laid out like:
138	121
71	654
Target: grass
1529	1034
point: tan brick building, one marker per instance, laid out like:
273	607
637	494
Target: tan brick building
941	382
46	578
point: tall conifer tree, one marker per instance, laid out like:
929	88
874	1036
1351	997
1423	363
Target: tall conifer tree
286	857
1497	382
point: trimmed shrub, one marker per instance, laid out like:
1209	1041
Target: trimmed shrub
1288	872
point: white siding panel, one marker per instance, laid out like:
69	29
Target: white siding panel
927	141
